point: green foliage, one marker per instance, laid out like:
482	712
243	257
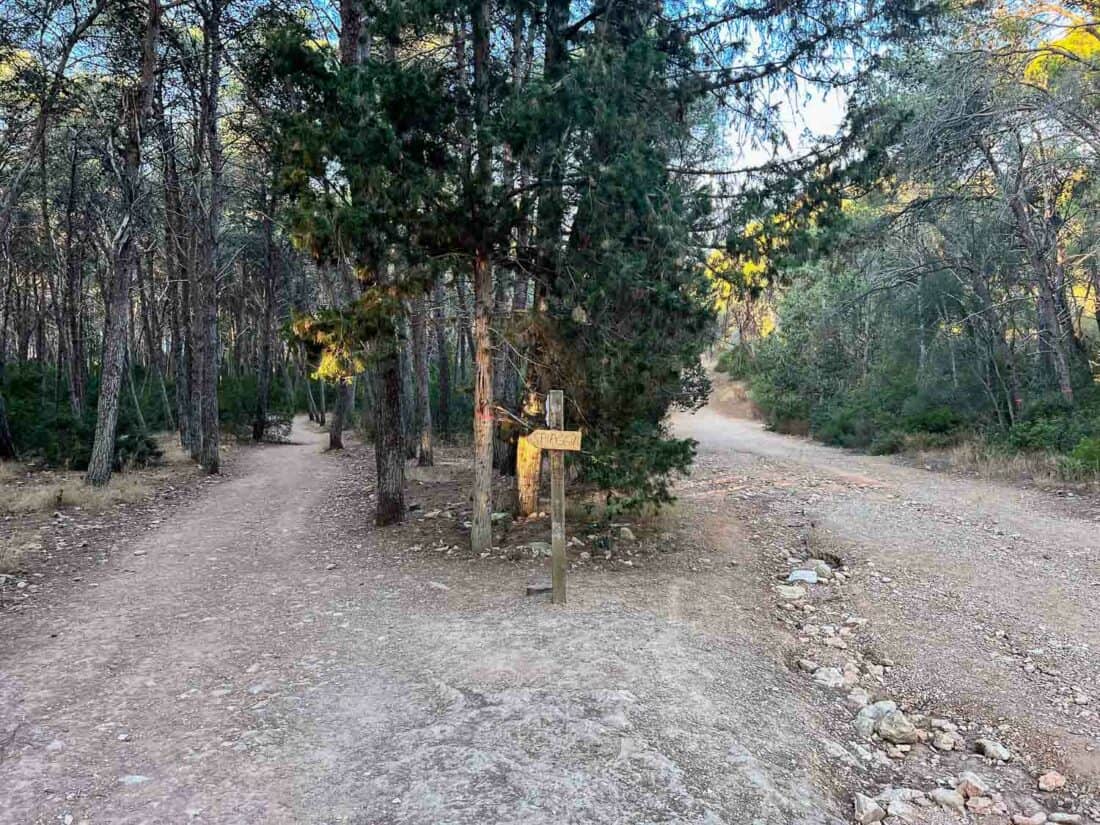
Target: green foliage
635	467
1087	452
631	312
237	396
737	361
46	430
1052	425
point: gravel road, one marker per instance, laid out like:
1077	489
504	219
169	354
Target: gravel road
986	595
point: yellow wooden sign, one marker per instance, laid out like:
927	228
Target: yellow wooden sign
556	439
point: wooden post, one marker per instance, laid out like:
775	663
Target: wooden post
558	442
555	420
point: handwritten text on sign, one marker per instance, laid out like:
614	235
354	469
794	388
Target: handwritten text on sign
556	439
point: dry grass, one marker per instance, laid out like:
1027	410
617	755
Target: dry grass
23	491
978	459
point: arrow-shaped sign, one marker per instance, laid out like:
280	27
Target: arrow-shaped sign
569	440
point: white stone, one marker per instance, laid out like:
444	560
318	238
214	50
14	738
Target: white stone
867	810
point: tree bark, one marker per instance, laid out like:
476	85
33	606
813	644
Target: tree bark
137	103
481	528
267	331
418	320
338	422
389	441
209	457
443	363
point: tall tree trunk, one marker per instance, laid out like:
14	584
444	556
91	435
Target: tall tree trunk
389	441
443	363
179	278
338	422
408	390
267	331
418	321
137	104
209	456
481	528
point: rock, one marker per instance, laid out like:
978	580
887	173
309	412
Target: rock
837	642
895	727
139	552
540	549
903	811
829	677
889	795
1035	819
971	785
626	534
1051	781
821	567
133	779
993	749
867	810
943	741
1066	819
791	592
979	804
807	576
858	698
949	800
865	720
808	665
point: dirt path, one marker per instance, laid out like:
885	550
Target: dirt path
264	655
987	596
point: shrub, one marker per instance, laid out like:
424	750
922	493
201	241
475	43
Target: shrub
737	361
47	431
1087	453
939	420
887	443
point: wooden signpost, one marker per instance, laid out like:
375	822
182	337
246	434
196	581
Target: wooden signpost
557	441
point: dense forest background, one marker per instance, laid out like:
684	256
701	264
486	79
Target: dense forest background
951	294
411	216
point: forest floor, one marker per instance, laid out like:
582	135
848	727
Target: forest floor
253	650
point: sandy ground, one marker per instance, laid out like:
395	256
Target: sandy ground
264	655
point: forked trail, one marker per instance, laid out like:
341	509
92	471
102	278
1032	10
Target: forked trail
265	656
